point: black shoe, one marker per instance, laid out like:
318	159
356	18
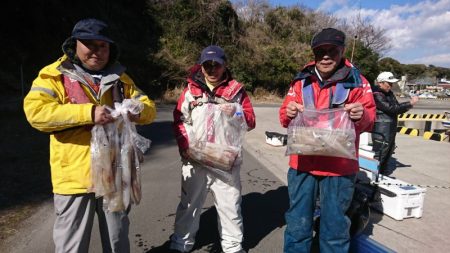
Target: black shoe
174	251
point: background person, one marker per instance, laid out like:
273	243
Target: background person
388	109
333	177
66	99
209	82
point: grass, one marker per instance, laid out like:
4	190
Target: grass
260	95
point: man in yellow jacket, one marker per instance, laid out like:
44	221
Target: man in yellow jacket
66	99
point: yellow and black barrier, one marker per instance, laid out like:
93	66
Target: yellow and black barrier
421	117
433	116
434	136
408	131
408	116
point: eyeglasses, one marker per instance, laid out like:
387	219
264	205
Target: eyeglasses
322	51
209	65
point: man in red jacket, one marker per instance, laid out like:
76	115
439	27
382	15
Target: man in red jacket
330	81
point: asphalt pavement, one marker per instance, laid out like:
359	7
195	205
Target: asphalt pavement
265	200
419	162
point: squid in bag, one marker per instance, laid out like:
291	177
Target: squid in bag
102	173
126	149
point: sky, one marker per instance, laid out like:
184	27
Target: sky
418	31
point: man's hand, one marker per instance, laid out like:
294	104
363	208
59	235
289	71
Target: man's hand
355	110
293	108
133	117
414	100
184	154
102	115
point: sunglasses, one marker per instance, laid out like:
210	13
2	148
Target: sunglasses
209	65
331	52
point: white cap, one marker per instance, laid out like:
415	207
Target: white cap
387	77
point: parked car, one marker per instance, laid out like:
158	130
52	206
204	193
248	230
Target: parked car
412	93
427	95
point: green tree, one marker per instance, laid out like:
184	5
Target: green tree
391	65
414	70
187	27
276	47
365	59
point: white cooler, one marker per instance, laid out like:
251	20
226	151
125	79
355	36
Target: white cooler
399	199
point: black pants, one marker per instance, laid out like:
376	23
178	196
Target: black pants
383	148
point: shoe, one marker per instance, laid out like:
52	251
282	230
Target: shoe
174	251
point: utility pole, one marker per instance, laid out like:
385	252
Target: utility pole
353	48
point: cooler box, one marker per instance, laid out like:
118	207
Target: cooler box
276	139
399	200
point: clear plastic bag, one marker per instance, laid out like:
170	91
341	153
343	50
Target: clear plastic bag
328	132
102	173
126	148
216	138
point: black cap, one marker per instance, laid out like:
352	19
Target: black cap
328	36
91	29
213	53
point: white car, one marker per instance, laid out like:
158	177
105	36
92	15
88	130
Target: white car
427	95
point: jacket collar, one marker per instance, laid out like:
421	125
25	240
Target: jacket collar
109	75
197	78
377	89
227	89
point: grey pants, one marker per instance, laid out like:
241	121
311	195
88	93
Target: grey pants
74	221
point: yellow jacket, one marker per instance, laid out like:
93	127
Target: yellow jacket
47	108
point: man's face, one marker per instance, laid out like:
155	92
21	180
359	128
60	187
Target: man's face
93	54
385	86
327	59
213	71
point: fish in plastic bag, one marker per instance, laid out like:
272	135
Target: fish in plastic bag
328	132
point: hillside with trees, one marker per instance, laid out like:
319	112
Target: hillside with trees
160	39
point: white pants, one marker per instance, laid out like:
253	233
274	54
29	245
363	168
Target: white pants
195	184
74	221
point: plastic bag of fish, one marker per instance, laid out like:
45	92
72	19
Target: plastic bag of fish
328	132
